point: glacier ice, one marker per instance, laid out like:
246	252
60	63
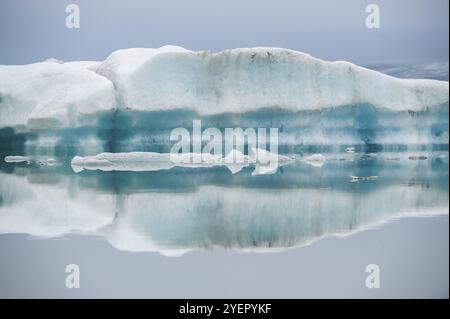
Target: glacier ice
244	80
175	211
357	149
316	160
133	99
16	159
265	162
52	95
140	161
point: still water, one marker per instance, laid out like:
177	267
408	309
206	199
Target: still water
306	230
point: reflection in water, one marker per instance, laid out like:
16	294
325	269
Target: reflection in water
177	210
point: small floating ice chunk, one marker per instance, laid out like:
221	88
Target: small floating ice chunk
316	160
363	178
51	161
265	162
47	161
132	161
265	169
235	161
263	156
143	161
79	163
418	158
17	159
350	150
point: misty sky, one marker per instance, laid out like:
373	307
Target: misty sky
412	31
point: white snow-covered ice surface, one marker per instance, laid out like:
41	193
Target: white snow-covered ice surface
132	99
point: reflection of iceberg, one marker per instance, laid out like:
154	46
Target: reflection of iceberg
49	210
177	210
259	219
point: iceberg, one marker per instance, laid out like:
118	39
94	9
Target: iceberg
244	80
356	148
140	161
16	159
362	178
316	160
437	70
265	162
133	99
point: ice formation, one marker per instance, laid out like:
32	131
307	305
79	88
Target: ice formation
52	95
16	159
370	147
132	100
244	80
316	160
172	212
265	162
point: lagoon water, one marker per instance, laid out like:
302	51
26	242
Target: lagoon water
307	230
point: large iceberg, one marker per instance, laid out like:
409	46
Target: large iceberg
133	99
245	80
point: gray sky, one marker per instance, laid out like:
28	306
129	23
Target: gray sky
412	31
